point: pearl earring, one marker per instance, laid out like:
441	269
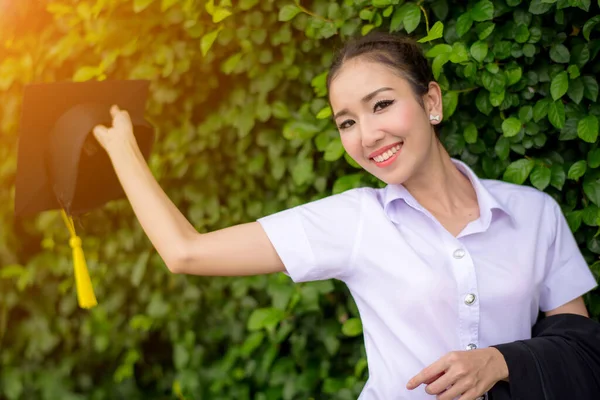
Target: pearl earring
434	117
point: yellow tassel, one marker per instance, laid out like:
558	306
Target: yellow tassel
85	291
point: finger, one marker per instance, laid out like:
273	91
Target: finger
114	110
429	381
427	374
456	390
100	130
441	384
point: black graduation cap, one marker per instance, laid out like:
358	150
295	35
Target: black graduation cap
60	165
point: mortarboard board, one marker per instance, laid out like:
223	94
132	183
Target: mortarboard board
60	165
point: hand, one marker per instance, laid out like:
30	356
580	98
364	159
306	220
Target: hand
119	135
468	374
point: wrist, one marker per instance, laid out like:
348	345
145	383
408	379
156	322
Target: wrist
123	151
499	362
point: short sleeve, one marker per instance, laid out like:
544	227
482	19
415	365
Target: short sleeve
568	275
316	240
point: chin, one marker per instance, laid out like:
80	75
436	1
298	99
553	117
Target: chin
396	176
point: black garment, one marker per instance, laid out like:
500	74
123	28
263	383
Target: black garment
560	362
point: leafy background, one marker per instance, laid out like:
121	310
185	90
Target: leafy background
238	96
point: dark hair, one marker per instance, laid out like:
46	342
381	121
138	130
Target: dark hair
402	54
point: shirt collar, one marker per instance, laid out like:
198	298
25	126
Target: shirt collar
487	202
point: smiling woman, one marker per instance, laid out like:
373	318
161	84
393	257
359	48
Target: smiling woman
425	258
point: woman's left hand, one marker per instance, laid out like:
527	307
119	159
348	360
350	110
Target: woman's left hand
462	375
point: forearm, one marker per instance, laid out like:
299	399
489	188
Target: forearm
163	223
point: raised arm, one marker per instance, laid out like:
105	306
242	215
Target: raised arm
239	250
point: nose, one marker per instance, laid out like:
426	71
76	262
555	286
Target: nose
371	135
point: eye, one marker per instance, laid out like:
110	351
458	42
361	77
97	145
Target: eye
346	124
381	104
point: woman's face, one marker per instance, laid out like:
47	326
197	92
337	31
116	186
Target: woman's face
382	125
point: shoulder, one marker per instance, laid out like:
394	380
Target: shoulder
513	195
527	204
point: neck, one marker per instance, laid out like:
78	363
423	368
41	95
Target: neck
439	186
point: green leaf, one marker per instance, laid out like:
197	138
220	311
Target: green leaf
494	83
300	130
264	318
511	127
470	133
484	29
577	170
587	129
558	176
556	114
590	88
569	131
518	171
439	49
346	182
559	85
540	176
438	64
463	24
574	219
220	14
334	150
479	50
440	9
208	40
560	54
502	147
497	98
591	187
589	25
540	110
522	33
288	12
593	158
412	17
525	114
11	383
482	102
436	32
398	18
529	50
454	143
513	74
538	7
459	53
352	327
449	103
573	71
86	74
325	112
482	11
302	171
576	90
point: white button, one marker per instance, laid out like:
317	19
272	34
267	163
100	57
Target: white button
469	299
471	346
459	253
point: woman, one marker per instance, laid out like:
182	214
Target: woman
442	265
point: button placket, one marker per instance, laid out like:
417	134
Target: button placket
468	312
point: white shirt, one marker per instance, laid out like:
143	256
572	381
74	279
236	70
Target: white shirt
422	292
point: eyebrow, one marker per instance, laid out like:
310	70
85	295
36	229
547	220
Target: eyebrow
365	99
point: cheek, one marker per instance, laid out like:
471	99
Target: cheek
401	121
351	143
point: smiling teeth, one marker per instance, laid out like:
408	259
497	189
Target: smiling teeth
387	154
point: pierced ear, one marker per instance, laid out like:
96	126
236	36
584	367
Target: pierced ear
433	103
